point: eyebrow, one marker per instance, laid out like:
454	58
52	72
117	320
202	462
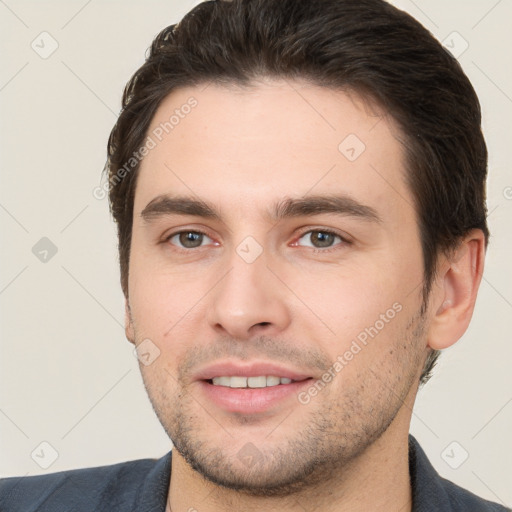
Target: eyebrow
165	205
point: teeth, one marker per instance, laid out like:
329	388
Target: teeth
238	382
257	382
273	381
250	382
222	381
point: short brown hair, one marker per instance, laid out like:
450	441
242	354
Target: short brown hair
364	46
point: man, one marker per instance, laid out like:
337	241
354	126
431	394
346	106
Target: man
299	190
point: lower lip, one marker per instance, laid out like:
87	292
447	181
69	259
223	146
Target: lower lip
251	400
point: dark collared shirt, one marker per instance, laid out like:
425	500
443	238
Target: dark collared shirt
141	486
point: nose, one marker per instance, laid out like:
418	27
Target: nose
248	301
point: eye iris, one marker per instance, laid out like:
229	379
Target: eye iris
190	239
322	239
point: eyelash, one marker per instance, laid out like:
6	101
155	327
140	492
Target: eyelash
343	240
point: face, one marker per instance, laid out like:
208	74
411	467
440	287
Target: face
275	281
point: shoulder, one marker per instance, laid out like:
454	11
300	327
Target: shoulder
432	492
462	499
114	487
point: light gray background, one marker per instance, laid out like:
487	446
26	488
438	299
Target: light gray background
68	376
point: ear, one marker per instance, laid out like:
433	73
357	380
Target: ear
455	290
128	323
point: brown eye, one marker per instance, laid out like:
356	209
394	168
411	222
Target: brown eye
319	239
188	239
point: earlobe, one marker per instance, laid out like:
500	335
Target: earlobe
128	323
454	293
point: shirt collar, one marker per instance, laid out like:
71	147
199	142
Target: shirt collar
153	494
428	491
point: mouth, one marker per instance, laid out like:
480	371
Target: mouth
251	389
262	381
249	374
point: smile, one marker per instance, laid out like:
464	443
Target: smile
239	381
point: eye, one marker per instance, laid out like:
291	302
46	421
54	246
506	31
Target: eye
189	239
319	239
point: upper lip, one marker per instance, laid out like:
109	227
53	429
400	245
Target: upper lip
253	369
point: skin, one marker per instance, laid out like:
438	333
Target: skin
242	151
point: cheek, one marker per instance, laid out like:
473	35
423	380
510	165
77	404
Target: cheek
168	309
160	297
344	301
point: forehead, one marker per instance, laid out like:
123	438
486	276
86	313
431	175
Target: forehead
254	145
